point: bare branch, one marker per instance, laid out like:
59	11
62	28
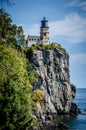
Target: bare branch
7	2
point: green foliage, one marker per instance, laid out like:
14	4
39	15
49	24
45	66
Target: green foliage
10	34
20	36
32	48
61	49
32	74
5	24
38	95
15	90
51	46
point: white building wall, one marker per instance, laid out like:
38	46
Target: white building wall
33	40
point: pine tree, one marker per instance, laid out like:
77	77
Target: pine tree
10	33
15	90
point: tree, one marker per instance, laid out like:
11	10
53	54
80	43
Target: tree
15	90
20	36
10	33
5	25
7	2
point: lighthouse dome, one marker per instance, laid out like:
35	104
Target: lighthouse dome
44	23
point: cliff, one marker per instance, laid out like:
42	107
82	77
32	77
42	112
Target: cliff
52	66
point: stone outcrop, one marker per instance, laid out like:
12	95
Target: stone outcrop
74	109
48	125
63	126
52	66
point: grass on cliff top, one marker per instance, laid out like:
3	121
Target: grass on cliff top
51	46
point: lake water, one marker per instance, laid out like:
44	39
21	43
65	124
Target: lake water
78	122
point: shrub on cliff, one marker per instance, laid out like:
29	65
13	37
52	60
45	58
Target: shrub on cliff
51	46
15	90
38	95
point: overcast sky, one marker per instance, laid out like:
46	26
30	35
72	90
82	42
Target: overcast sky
67	22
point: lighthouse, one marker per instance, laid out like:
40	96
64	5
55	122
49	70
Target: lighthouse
44	31
44	35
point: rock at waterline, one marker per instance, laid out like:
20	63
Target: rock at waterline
62	126
49	125
74	109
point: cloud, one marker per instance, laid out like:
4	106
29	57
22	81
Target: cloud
77	3
72	3
34	30
31	29
78	59
82	5
72	29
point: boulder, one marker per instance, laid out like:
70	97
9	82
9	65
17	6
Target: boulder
62	126
74	109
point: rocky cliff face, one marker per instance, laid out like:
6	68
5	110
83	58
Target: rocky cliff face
52	67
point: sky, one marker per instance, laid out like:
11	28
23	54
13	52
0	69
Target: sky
67	22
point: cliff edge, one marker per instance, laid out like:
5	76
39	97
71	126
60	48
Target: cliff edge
52	66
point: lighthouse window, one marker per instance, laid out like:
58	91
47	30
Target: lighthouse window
44	34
